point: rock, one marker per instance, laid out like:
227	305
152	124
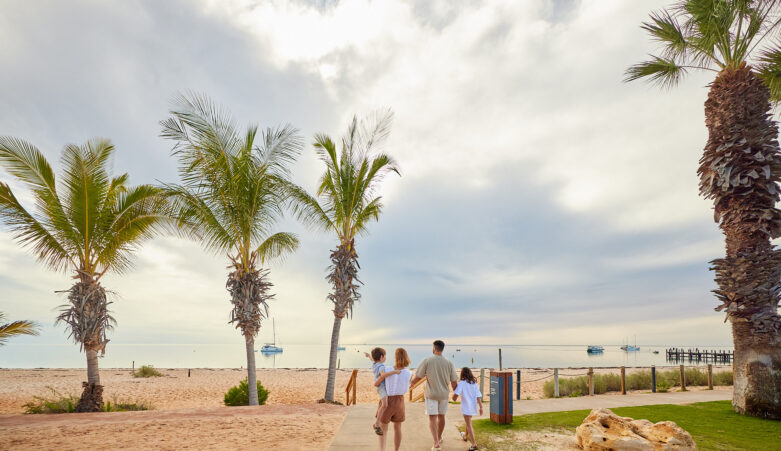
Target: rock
604	430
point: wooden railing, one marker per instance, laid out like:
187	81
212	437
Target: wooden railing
419	396
352	386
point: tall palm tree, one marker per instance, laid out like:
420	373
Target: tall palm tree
12	329
345	203
739	170
232	193
87	224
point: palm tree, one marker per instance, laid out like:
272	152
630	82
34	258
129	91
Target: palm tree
232	193
87	224
346	202
9	330
739	170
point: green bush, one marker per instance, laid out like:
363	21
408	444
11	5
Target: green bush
641	380
55	403
239	394
120	406
147	371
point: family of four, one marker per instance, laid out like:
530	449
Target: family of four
393	382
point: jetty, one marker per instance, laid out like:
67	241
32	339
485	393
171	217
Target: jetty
698	355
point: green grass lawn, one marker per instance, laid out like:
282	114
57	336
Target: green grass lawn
713	425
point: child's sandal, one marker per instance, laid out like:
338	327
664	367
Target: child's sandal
473	448
377	430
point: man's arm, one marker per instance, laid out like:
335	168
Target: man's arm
454	384
419	373
414	379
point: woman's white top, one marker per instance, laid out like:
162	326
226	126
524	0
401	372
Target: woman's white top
469	394
397	384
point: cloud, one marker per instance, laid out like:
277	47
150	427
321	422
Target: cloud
542	200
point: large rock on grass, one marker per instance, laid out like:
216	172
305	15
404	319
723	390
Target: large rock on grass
604	430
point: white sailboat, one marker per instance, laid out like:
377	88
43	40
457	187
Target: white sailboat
270	348
628	347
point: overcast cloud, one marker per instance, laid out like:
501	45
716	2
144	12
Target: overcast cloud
542	201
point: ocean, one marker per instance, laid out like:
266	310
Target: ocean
316	356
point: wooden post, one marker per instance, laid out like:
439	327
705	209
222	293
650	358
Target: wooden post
591	381
355	387
555	382
482	382
338	363
500	359
188	372
683	379
134	366
710	376
623	380
518	385
653	378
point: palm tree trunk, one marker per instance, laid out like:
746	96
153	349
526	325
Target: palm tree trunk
740	170
329	386
93	374
252	379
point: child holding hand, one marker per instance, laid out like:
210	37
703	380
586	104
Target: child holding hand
471	403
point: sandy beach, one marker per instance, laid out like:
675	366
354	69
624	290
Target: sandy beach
189	411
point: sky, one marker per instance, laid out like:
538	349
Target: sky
542	200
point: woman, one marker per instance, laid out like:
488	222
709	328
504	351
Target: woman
397	386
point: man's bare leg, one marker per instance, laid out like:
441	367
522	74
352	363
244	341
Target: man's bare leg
440	428
432	425
384	427
397	435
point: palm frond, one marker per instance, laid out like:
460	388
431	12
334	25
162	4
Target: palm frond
15	328
665	28
769	68
276	246
663	72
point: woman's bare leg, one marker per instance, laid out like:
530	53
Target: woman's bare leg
397	435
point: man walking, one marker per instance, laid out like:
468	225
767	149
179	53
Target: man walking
439	373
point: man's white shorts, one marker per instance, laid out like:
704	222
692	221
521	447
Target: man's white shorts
436	407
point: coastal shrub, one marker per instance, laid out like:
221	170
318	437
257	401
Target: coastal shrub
125	406
641	380
147	371
239	394
54	403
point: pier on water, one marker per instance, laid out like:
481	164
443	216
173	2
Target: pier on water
698	355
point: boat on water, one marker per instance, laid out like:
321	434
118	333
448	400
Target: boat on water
595	349
656	352
272	348
340	348
627	347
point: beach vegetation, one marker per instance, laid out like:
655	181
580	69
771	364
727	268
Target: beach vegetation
56	402
147	371
641	380
233	189
15	328
345	203
238	395
85	222
712	425
738	41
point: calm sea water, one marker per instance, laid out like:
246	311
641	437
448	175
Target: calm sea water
316	356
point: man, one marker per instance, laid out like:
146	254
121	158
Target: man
439	373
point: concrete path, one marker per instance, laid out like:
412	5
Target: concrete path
356	432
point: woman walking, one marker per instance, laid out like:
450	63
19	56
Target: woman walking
397	386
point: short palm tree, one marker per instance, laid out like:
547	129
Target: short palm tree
87	224
233	189
345	203
740	168
15	328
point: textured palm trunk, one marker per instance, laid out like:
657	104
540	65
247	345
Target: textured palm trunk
739	171
252	378
93	373
329	386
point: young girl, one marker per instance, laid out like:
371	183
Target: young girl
471	402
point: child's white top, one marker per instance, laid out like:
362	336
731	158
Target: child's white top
469	394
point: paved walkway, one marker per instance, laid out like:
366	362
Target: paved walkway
356	431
